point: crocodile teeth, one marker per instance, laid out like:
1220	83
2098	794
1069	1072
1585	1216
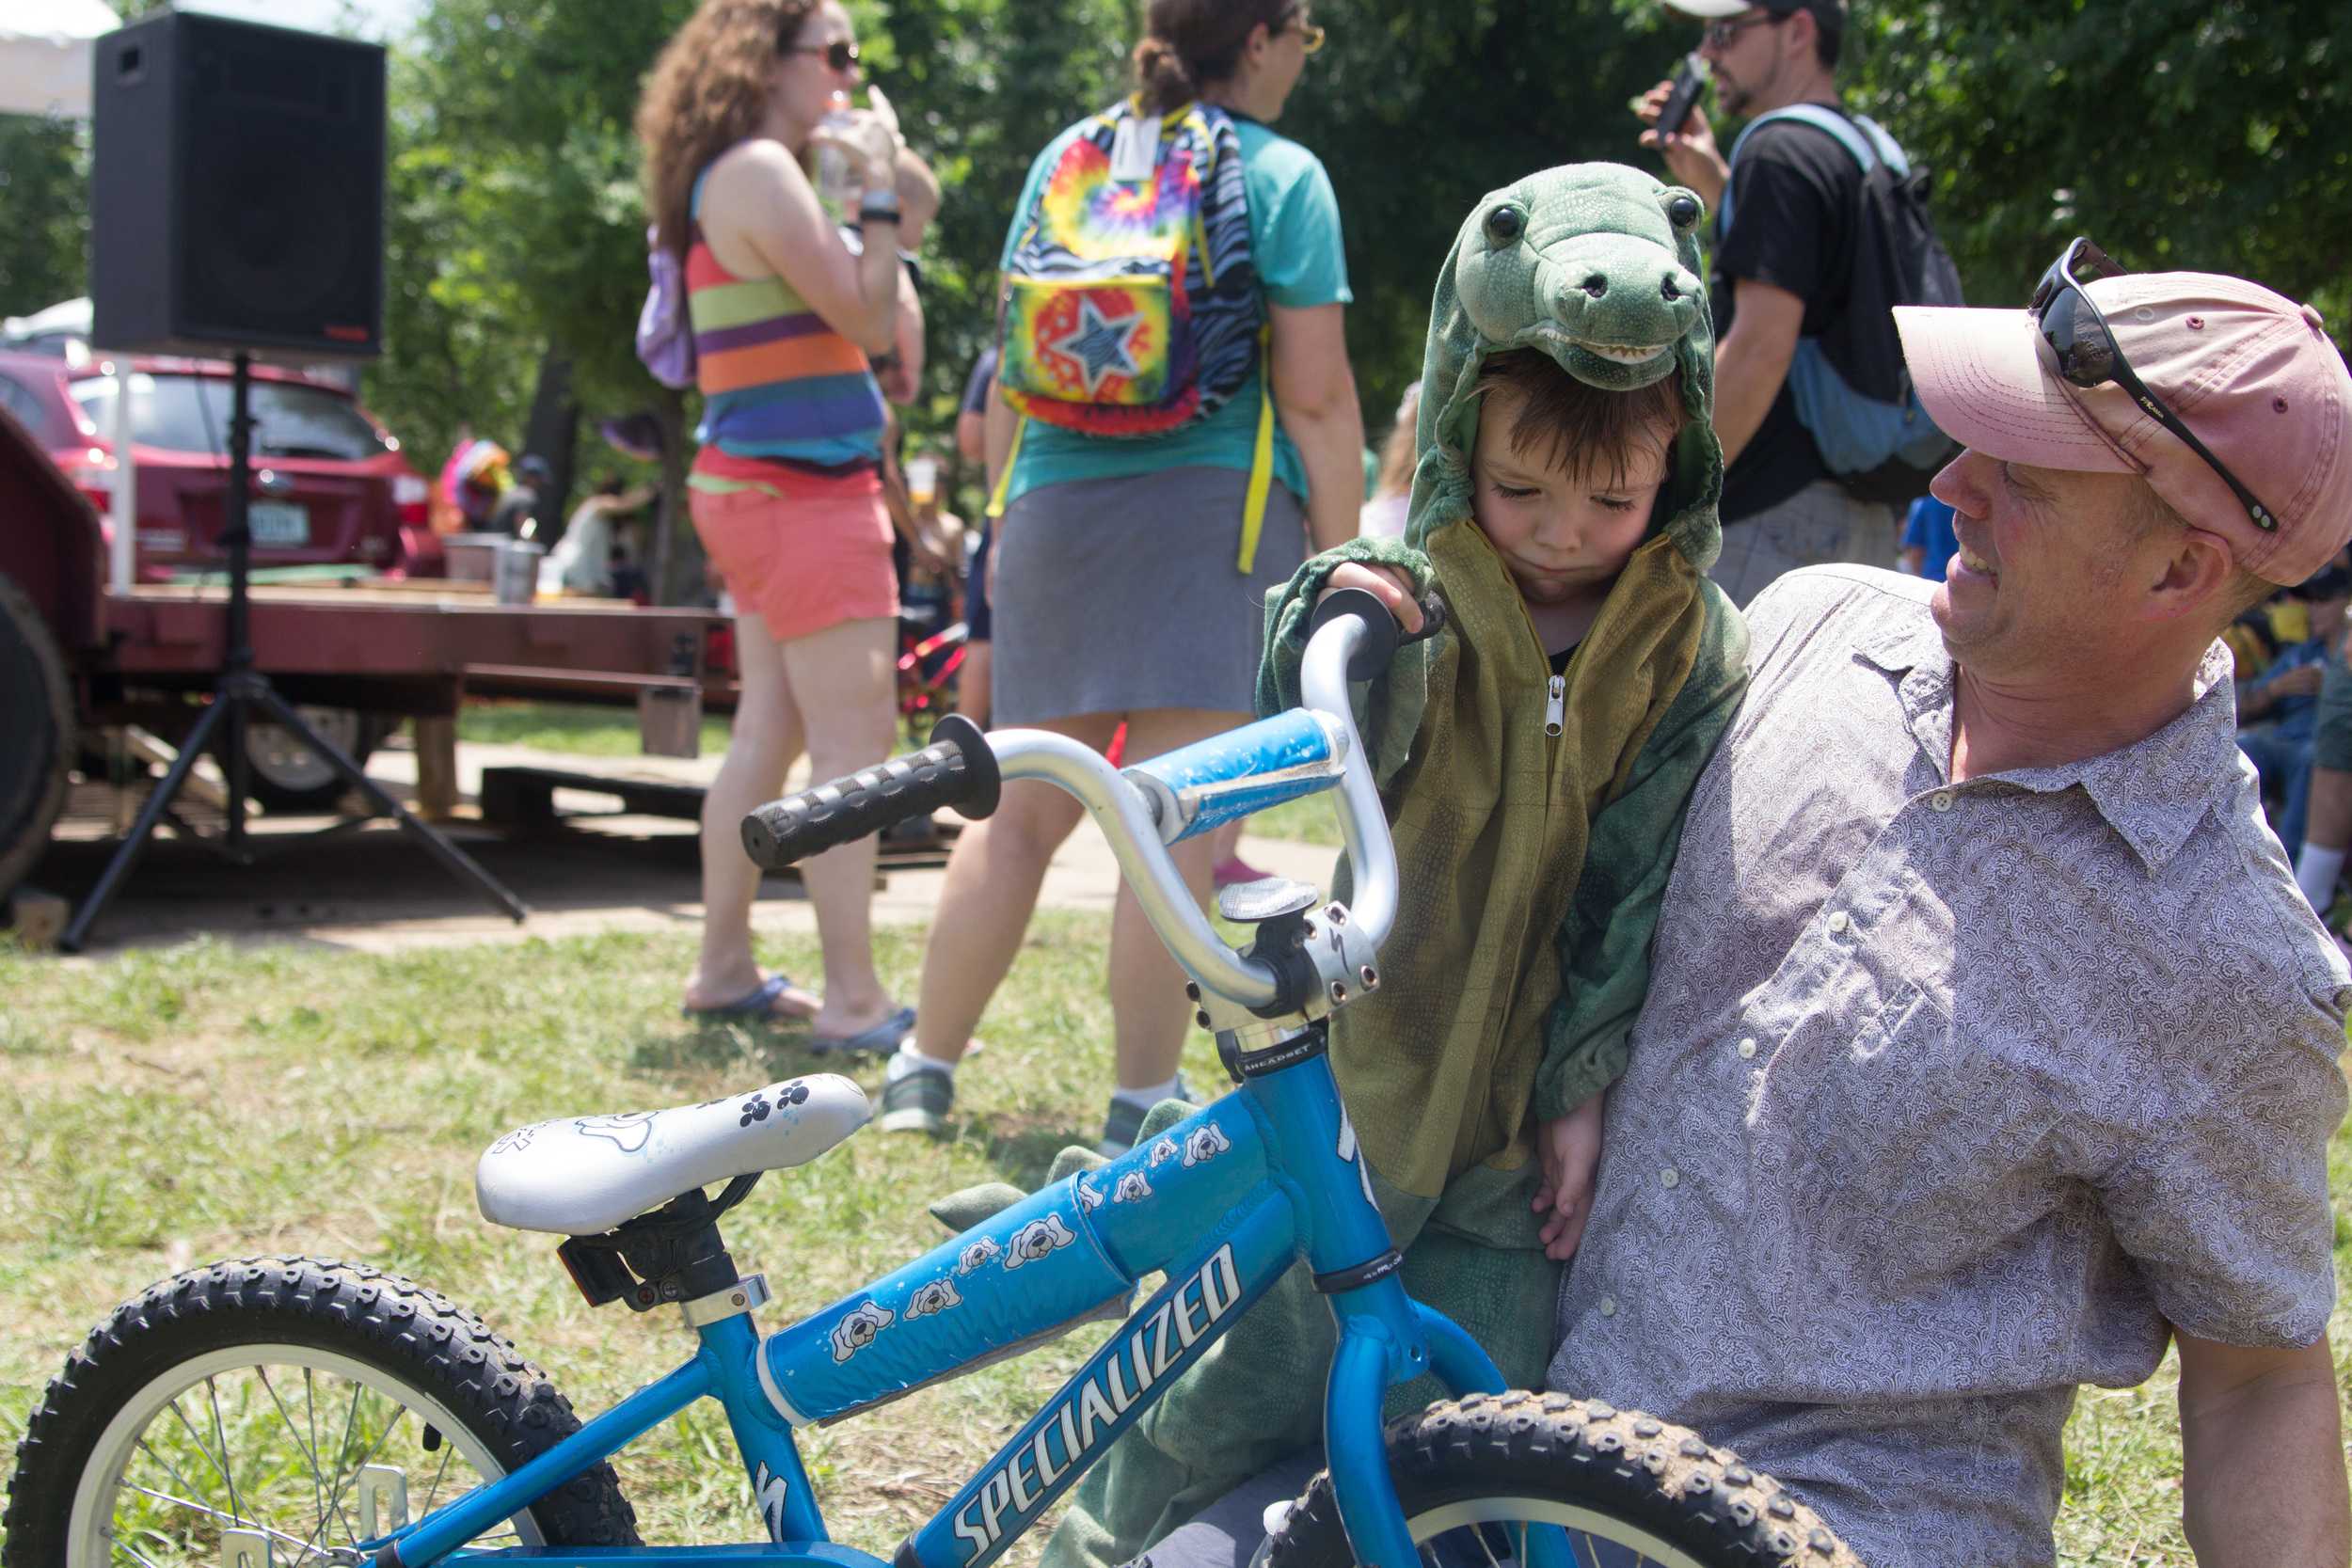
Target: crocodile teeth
1619	354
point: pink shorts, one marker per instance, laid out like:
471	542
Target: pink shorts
812	557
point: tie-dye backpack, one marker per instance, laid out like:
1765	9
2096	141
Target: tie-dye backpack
1131	307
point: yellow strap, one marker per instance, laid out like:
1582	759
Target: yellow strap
1003	481
1261	461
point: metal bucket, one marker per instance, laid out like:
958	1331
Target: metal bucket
518	571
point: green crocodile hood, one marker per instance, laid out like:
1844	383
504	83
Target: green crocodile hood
1596	266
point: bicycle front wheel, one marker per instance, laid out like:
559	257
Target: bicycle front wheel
300	1402
1628	1491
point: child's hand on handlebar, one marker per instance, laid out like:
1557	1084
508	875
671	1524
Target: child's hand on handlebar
1386	583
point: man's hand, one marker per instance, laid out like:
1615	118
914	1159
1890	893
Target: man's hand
1568	1150
1386	583
1689	153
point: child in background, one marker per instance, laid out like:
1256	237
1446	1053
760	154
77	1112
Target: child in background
1535	762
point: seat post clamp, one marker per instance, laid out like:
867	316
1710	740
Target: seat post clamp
748	1295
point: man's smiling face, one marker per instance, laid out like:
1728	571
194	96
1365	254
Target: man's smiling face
2047	580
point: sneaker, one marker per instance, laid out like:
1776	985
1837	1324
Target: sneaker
918	1102
1125	1119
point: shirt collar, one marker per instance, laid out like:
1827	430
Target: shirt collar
2153	792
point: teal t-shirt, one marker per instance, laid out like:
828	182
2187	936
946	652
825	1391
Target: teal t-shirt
1295	236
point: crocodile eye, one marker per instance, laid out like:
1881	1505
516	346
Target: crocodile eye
1505	224
1683	210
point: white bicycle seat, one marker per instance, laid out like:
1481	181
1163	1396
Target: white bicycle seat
581	1176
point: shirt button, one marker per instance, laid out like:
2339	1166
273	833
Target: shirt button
1837	923
1670	1178
1608	1306
1747	1049
1940	800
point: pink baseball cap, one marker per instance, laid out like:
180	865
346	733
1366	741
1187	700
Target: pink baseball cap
2252	373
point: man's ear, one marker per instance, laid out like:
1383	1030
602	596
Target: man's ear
1798	33
2193	578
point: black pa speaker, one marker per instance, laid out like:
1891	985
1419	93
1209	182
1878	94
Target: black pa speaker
237	191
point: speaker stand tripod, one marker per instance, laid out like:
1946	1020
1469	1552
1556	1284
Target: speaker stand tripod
241	696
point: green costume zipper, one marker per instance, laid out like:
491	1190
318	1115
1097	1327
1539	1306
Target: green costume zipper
1556	707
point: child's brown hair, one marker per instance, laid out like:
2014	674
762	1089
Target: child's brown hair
1588	431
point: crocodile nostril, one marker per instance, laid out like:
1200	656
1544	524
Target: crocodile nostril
1668	291
1596	285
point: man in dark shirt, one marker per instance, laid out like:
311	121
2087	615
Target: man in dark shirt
1782	272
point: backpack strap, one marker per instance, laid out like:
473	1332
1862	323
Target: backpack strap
1261	457
1004	479
1862	137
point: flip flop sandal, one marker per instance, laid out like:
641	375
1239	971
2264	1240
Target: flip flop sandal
879	1040
756	1005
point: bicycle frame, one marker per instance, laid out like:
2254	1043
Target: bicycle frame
1224	1201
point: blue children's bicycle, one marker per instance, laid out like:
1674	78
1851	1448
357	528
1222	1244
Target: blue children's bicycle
278	1412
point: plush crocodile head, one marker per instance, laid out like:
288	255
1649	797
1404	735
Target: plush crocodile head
1597	266
1588	264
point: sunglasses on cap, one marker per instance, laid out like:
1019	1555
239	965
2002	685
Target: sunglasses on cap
2088	355
840	55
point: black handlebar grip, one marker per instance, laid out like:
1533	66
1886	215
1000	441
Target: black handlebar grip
1382	636
955	770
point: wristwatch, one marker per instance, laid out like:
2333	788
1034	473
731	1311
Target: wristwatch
877	208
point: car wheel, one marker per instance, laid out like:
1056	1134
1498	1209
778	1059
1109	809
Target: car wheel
286	775
37	716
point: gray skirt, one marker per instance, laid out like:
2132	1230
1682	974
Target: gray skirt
1122	595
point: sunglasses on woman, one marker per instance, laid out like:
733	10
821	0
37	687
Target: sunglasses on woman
2087	355
840	55
1309	35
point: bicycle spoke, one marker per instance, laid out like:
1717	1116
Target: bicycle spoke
448	1452
220	1432
132	1552
186	1426
178	1480
204	1511
343	1447
336	1502
318	1487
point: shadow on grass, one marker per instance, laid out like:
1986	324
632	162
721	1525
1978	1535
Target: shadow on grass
1024	1155
744	1050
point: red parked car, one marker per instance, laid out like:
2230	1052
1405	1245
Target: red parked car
330	486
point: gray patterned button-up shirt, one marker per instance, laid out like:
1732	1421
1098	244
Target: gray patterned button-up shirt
1946	1099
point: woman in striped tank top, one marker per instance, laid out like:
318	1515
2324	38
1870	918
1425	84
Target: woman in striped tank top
785	491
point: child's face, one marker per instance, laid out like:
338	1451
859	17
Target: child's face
1561	535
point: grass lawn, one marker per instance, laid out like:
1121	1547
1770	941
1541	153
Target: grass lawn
174	1107
583	730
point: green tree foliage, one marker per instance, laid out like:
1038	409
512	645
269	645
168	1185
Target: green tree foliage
45	212
2201	134
1418	110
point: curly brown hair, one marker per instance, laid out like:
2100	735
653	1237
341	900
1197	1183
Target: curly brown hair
707	92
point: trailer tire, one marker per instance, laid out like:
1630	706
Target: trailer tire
37	709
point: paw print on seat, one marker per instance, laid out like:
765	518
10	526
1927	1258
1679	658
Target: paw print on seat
755	1109
794	1093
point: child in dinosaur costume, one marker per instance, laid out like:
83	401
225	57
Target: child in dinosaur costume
1536	813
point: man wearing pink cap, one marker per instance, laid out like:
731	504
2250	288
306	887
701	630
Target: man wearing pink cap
1992	1047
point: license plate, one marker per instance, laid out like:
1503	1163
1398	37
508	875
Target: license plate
278	522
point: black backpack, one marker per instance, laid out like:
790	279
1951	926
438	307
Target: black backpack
1852	390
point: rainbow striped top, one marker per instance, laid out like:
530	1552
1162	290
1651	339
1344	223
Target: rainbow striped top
777	382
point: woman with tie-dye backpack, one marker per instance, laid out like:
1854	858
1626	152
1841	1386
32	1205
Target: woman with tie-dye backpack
1172	361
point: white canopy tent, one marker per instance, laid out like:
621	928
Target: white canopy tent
45	55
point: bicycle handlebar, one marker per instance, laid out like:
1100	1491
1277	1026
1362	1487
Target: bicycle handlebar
1351	635
955	770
